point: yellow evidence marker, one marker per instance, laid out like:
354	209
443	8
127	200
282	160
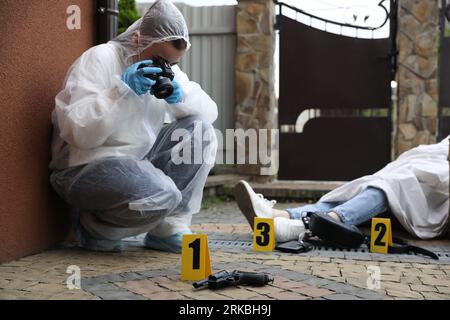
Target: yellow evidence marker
195	261
263	235
381	235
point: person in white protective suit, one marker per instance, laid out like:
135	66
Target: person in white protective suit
414	188
117	147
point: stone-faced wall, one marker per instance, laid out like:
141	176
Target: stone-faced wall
418	38
255	96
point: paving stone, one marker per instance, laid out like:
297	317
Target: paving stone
390	277
4	283
293	258
403	293
423	288
118	295
266	290
142	287
320	259
366	263
112	278
99	286
301	269
165	295
317	282
313	292
341	296
17	263
131	276
203	294
358	257
239	293
326	273
337	279
420	266
352	268
433	271
266	256
173	285
253	266
285	295
434	281
436	296
261	297
410	280
38	295
331	254
18	285
88	282
441	277
396	286
340	288
385	257
413	258
405	276
73	296
358	282
46	288
7	294
445	267
444	290
287	285
280	263
371	295
313	253
5	269
294	276
339	261
156	273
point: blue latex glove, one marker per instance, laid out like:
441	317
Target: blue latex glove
135	78
177	95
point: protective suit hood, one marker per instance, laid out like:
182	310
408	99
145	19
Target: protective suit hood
163	22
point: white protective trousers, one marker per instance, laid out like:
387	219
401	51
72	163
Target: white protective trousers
119	197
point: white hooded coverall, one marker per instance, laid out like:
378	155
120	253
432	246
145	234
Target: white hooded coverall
111	153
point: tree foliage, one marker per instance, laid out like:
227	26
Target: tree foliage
128	14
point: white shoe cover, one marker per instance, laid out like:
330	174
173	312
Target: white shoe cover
288	229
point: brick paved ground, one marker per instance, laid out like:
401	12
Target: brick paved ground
139	273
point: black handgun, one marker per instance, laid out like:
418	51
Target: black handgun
224	279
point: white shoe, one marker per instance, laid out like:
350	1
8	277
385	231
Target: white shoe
252	204
288	229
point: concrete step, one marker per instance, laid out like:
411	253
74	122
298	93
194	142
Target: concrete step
300	190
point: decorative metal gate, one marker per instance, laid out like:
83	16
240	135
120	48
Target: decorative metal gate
335	98
444	71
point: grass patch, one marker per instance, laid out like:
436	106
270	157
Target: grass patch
447	32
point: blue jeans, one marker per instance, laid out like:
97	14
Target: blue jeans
363	207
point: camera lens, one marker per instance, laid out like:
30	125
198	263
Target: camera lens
163	88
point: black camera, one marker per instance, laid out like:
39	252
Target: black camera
163	87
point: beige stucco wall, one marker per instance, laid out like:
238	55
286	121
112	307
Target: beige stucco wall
36	49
